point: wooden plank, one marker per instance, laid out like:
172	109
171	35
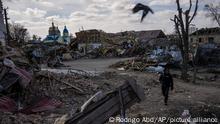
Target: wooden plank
99	112
110	108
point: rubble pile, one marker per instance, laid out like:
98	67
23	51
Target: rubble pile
141	64
62	86
137	64
51	95
16	55
50	54
30	96
117	50
153	61
208	55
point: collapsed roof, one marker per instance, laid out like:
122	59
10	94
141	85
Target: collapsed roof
207	31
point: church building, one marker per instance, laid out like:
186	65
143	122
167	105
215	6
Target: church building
55	35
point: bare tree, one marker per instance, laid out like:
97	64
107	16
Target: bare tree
19	33
213	12
182	21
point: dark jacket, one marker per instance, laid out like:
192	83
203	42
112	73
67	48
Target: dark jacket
166	80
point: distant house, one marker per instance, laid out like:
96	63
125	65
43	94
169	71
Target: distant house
2	26
205	35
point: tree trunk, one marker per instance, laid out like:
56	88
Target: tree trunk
182	28
184	67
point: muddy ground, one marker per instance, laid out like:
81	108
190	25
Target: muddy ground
201	99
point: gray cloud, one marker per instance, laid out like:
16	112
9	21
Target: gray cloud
109	15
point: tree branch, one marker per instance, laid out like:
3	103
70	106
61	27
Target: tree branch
195	11
215	15
190	7
180	17
176	22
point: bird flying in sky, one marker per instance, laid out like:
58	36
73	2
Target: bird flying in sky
146	10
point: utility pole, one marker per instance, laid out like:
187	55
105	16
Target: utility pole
86	40
2	24
8	36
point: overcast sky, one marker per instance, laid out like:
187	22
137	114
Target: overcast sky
108	15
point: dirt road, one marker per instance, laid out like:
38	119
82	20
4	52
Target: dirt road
100	65
201	101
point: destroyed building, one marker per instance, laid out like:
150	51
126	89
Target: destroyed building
205	35
150	37
127	43
98	36
89	39
2	26
145	38
121	37
208	54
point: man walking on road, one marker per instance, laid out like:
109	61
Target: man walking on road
167	82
